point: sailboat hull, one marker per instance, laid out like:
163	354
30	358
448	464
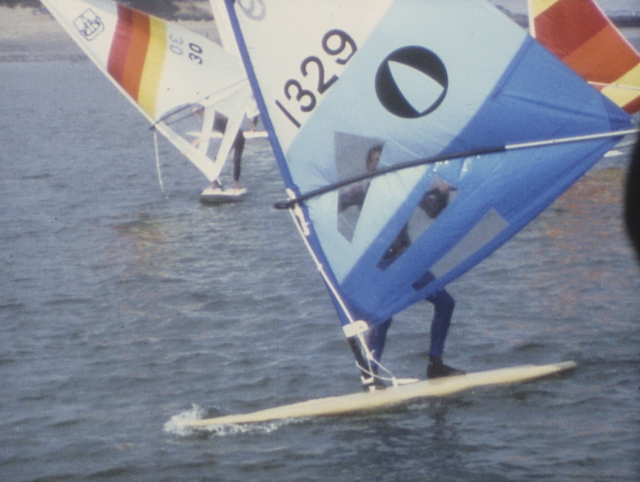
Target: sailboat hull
221	196
358	402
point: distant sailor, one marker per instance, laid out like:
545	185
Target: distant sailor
433	203
220	125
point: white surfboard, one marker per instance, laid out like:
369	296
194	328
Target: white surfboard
391	396
220	196
255	134
218	135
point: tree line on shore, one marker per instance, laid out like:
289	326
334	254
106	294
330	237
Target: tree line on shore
169	10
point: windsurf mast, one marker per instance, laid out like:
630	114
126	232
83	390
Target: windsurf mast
353	329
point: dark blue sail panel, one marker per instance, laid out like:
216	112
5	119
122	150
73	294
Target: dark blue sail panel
537	98
482	217
412	80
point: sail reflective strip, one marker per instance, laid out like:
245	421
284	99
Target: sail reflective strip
137	55
540	6
153	65
625	91
580	34
129	49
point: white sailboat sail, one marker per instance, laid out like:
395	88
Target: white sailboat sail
223	24
179	80
448	92
228	39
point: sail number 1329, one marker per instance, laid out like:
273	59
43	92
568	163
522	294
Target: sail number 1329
341	47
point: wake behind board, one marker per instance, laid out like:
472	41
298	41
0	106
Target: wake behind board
391	396
220	196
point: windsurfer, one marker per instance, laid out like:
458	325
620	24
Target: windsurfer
433	203
220	125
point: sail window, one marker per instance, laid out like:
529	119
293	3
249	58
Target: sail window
435	200
355	155
489	226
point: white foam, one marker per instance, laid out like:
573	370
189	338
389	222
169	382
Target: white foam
176	426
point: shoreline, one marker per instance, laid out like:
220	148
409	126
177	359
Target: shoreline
32	34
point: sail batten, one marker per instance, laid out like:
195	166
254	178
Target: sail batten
448	157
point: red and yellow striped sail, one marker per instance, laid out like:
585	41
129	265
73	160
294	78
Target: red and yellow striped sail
580	34
137	55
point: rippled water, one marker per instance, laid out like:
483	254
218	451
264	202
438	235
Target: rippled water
121	309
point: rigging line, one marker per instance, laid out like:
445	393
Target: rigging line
617	86
216	96
288	204
372	374
301	224
155	145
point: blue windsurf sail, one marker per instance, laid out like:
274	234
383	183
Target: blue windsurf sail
414	137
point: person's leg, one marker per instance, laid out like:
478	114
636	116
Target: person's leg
443	305
376	339
238	149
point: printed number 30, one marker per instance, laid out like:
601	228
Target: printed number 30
195	50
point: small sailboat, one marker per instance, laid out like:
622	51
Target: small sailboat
439	94
184	84
580	34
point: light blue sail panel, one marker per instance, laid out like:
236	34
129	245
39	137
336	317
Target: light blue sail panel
430	77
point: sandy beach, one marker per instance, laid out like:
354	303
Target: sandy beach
28	34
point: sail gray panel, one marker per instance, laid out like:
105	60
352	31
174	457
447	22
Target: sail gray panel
489	226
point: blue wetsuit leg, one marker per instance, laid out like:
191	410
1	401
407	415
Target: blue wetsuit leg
377	338
443	305
238	148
